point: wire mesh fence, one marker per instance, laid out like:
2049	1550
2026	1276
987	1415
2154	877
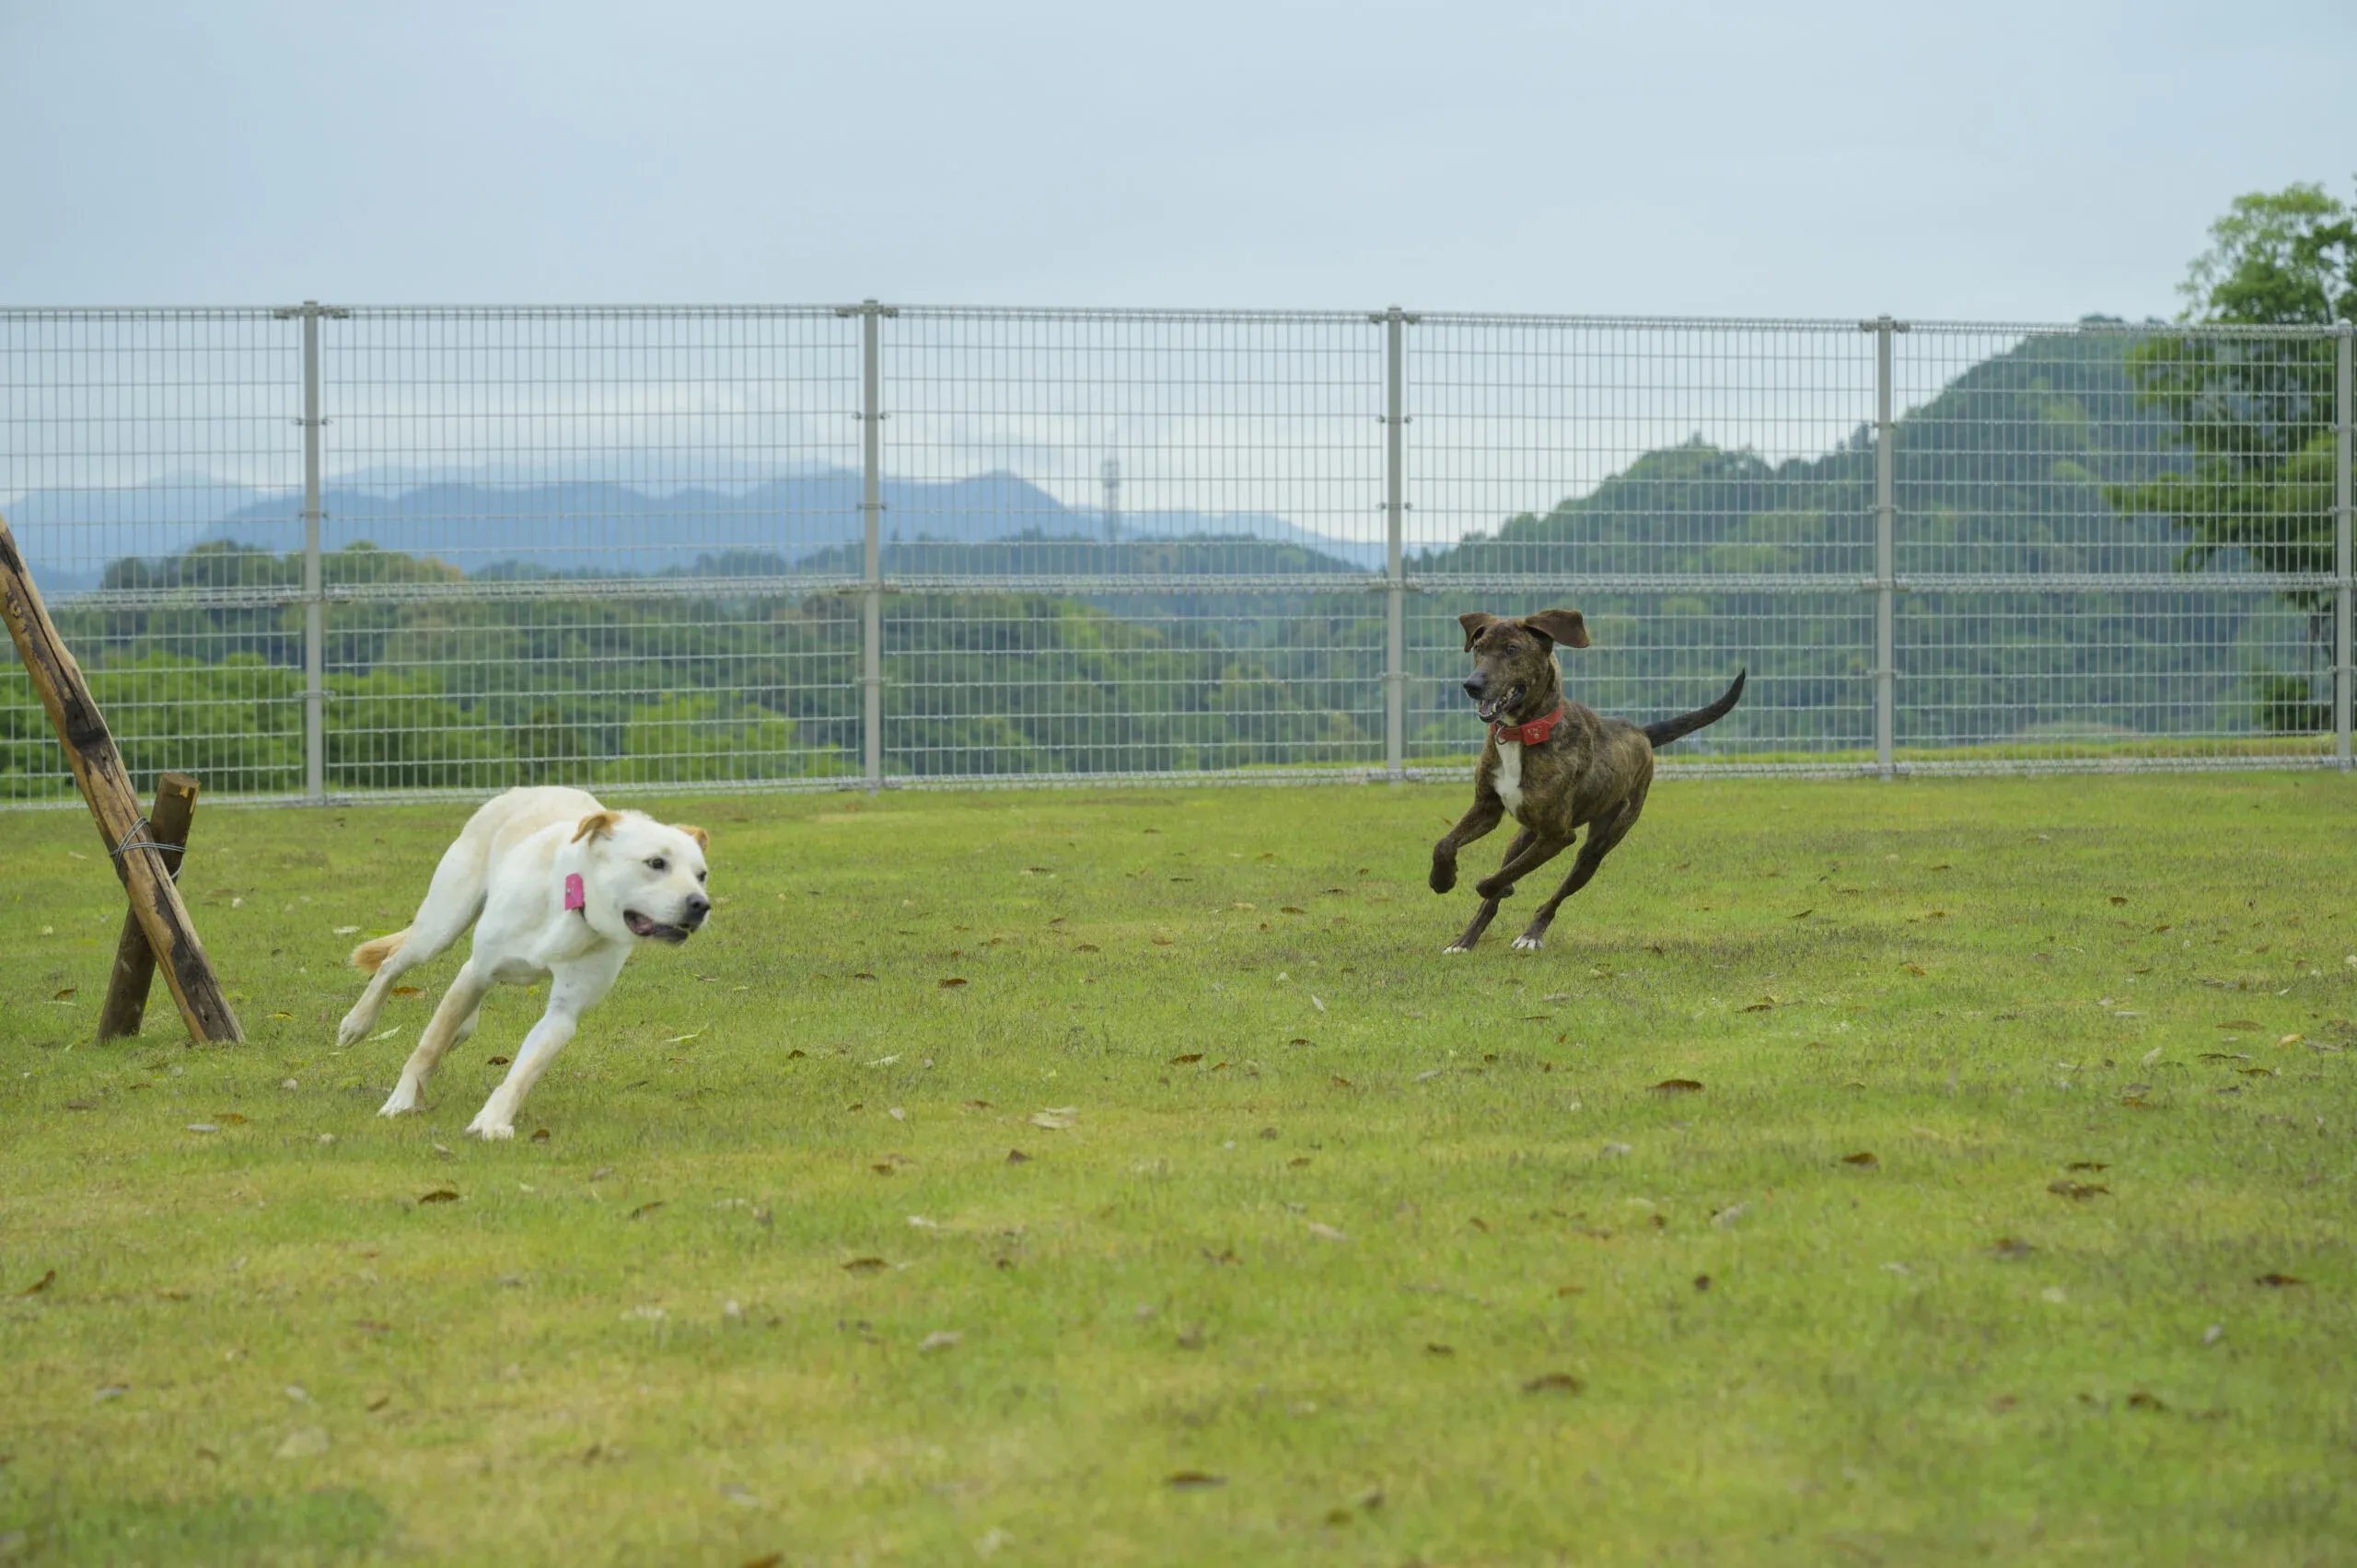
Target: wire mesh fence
379	552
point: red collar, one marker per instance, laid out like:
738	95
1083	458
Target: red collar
1535	733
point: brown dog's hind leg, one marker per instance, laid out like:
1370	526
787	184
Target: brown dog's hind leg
1601	839
1530	852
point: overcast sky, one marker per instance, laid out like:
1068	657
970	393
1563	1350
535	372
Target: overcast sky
1973	159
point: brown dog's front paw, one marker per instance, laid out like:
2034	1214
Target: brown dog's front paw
1444	875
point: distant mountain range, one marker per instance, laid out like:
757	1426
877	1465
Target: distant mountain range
2010	467
809	521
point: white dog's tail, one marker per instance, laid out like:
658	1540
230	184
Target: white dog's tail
371	955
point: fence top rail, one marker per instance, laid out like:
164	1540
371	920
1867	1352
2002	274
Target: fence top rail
1852	325
27	313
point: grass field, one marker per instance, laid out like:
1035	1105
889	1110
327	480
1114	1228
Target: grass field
1319	1247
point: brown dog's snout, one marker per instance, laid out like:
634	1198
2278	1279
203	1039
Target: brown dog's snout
1475	682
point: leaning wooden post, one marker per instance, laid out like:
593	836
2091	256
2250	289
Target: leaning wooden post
106	786
134	961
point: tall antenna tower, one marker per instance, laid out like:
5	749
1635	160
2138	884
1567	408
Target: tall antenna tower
1111	471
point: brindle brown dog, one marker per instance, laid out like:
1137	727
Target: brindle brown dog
1557	766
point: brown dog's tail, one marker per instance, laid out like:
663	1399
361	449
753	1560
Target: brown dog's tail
1668	730
371	956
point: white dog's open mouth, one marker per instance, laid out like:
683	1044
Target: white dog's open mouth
640	925
1496	705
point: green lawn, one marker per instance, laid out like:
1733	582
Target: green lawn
2012	1094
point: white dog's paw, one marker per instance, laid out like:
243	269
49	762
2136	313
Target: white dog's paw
348	1033
482	1128
402	1103
1456	948
1529	944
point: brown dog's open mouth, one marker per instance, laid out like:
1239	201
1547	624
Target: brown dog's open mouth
1490	710
640	925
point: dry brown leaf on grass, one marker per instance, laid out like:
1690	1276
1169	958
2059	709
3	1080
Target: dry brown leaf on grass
1553	1383
1194	1480
1678	1087
1862	1159
439	1195
2087	1164
952	983
40	1284
1187	1059
2278	1281
1912	968
866	1266
2078	1192
643	1209
65	995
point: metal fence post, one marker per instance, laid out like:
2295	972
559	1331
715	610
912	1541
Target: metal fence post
1395	506
1886	672
315	695
2344	663
871	508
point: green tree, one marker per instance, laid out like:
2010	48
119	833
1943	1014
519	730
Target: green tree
2254	414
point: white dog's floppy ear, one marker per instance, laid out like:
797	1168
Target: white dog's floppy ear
703	839
1475	624
597	824
1564	626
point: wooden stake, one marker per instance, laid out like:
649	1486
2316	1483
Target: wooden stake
134	961
106	786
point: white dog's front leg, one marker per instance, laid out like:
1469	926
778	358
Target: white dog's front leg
571	992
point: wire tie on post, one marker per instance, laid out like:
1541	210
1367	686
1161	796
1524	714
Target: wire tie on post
133	840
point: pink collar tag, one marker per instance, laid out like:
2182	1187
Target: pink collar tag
575	896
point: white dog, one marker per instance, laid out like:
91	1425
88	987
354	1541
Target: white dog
564	887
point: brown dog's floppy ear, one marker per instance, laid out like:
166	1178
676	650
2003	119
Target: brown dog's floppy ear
703	839
596	823
1565	626
1475	624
